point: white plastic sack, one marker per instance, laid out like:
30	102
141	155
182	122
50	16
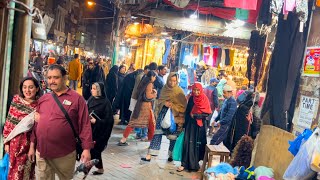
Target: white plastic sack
214	116
24	125
166	121
300	166
133	103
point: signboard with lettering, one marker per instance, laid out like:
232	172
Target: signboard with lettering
312	62
308	111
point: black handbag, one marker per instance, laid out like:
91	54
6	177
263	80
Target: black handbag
78	140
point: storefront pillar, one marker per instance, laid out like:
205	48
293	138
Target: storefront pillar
21	48
6	31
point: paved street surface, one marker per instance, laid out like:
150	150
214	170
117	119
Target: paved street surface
121	163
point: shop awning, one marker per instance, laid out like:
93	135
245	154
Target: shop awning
210	26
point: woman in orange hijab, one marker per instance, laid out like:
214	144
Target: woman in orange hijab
195	139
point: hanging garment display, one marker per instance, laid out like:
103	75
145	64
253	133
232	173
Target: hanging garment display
288	6
302	10
265	15
206	54
242	14
243	4
215	56
227	59
262	85
284	74
196	50
167	51
231	55
210	61
223	57
257	45
219	57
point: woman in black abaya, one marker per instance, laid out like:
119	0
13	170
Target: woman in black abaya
111	84
241	122
101	118
195	139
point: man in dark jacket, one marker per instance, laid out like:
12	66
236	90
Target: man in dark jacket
225	116
93	74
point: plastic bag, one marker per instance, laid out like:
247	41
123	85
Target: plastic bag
173	126
4	167
296	143
315	162
166	121
214	116
300	166
178	148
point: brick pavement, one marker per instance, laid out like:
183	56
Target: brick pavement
115	156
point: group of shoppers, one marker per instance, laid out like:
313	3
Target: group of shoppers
50	143
144	100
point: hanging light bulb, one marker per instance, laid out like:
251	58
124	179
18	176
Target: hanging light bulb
194	15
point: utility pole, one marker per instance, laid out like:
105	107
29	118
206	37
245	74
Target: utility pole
20	48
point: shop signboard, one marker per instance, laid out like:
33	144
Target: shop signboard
308	111
311	65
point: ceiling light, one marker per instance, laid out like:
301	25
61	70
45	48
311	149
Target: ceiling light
194	15
133	17
136	23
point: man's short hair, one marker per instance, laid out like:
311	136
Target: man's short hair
58	67
161	67
153	66
146	67
76	56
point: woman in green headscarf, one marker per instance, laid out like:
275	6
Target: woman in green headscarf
172	96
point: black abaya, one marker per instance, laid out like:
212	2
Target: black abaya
195	141
101	130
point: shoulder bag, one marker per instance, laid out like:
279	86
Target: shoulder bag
78	140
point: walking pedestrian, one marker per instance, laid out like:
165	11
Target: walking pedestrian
195	137
171	97
52	134
111	84
102	121
142	115
75	71
18	147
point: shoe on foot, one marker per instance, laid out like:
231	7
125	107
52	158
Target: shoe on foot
180	169
122	143
145	159
97	172
170	159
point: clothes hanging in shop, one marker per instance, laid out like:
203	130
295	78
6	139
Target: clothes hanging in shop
196	50
219	57
288	6
206	54
284	74
243	4
227	59
167	51
242	14
265	15
231	56
257	45
215	56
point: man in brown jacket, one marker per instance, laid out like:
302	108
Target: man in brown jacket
75	71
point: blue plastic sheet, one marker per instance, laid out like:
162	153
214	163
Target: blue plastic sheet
296	143
4	167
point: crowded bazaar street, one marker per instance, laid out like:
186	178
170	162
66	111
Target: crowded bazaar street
160	89
124	162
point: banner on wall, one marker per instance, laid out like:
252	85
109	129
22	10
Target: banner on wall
308	111
312	62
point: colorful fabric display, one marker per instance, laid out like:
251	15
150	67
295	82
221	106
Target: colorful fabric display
265	178
242	14
222	168
246	173
263	171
